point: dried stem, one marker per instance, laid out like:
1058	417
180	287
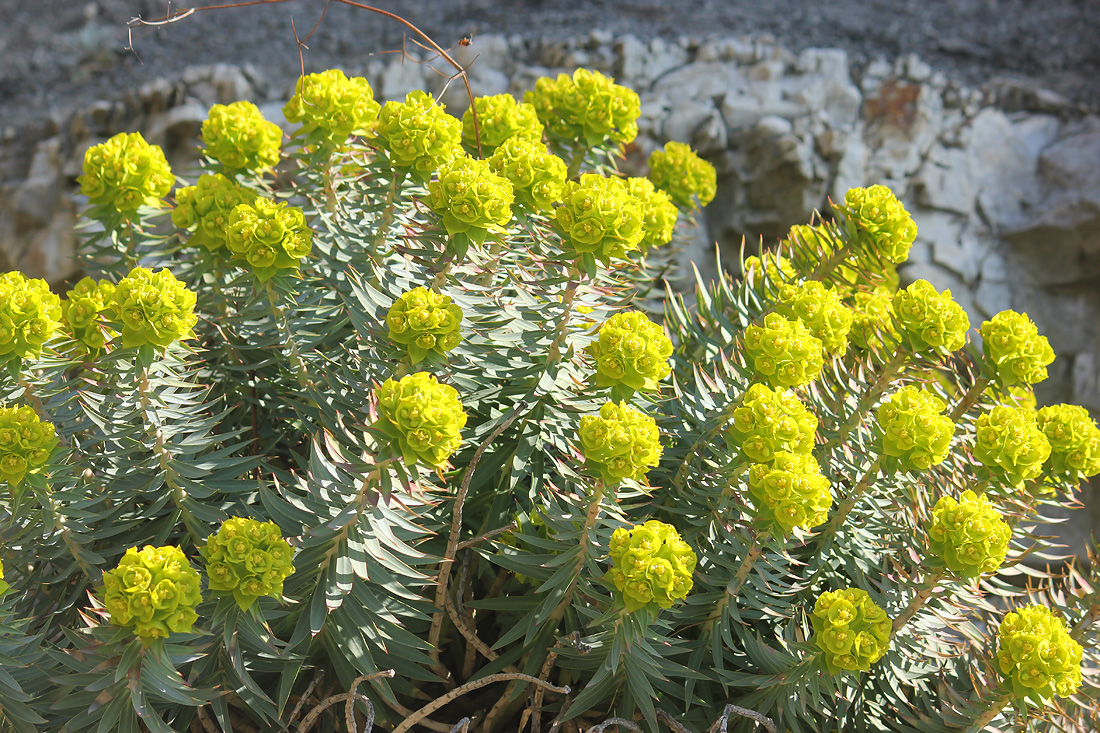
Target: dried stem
720	725
317	676
673	724
349	709
601	727
434	705
456	529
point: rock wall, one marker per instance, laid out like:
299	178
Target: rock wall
1004	182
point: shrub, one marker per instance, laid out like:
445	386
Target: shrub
618	513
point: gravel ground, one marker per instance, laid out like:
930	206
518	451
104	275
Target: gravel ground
56	54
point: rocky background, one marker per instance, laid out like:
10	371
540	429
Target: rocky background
989	135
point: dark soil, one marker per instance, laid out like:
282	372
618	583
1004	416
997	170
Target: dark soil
57	54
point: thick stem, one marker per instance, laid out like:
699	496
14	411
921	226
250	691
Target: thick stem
850	502
590	519
384	225
576	162
281	321
969	398
554	354
164	458
918	601
869	397
747	563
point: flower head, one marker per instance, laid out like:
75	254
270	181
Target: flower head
871	321
330	107
586	107
207	207
25	443
1037	654
969	535
1015	350
877	215
418	134
500	118
237	136
424	322
682	174
248	559
1010	443
471	198
154	590
766	421
631	354
620	442
783	352
82	312
928	320
660	214
422	418
851	629
913	432
819	308
789	491
29	314
1074	440
153	308
651	564
267	236
537	177
599	216
767	273
124	174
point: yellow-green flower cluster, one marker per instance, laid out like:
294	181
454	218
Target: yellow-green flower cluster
819	308
766	421
765	274
153	308
471	199
599	216
29	314
537	176
620	442
851	629
913	432
789	491
206	208
3	585
969	535
587	107
652	564
1010	443
424	322
268	236
660	213
1074	440
81	309
871	321
330	107
1037	654
928	320
25	443
877	214
422	418
631	354
237	136
500	118
248	559
1015	350
783	352
418	134
683	175
124	174
155	590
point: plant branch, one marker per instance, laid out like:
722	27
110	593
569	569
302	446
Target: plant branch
439	702
969	398
720	724
919	600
